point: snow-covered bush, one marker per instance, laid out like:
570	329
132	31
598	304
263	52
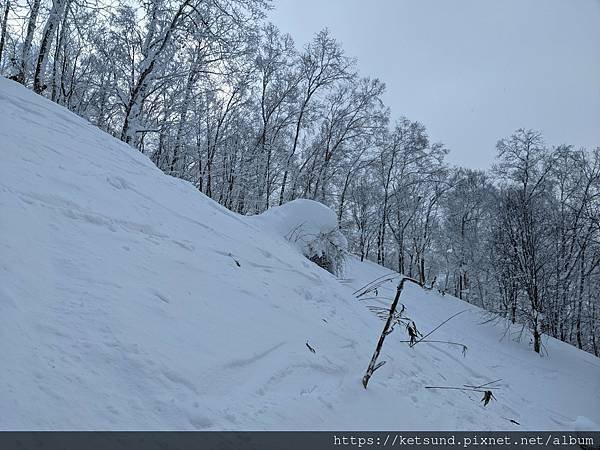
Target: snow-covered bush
313	228
327	250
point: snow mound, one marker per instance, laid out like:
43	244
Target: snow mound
312	227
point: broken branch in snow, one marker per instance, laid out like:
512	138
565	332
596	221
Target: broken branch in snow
310	348
235	260
511	420
386	330
487	397
413	332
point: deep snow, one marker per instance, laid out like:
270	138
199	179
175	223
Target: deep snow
122	307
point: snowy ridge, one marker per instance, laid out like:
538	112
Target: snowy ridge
129	300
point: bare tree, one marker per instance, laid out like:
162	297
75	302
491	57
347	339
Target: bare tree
21	75
322	64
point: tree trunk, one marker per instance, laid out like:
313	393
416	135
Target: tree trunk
3	29
21	76
580	299
593	331
343	197
294	147
60	46
56	13
537	340
133	109
183	112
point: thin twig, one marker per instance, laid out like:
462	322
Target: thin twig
464	347
476	387
432	331
392	276
455	388
491	382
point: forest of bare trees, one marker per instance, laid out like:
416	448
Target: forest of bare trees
214	94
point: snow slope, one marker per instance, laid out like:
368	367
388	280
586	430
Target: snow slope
128	300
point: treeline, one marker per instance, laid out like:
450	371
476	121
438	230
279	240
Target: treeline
215	95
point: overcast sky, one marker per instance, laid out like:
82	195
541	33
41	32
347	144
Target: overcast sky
471	71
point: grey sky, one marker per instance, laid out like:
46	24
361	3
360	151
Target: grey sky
471	71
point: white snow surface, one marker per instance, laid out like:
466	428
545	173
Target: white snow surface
122	307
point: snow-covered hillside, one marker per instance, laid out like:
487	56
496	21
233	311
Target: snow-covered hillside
129	300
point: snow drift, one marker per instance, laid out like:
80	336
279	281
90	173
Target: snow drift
129	300
313	228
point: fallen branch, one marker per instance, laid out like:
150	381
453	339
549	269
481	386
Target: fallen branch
373	366
487	397
237	263
511	420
